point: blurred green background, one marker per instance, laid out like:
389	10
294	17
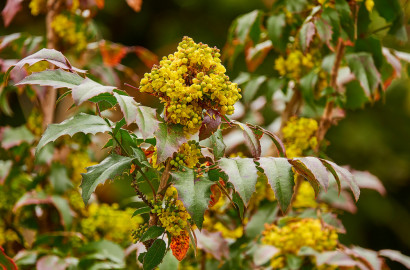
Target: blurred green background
376	139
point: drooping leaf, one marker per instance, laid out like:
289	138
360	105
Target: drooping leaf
317	169
56	78
51	262
397	256
307	174
306	34
251	140
66	214
50	55
10	10
365	71
248	25
195	195
278	143
281	179
216	143
85	123
242	173
256	55
210	124
169	139
109	168
152	233
154	255
89	89
343	174
276	30
239	204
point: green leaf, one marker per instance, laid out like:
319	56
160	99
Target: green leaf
265	214
194	196
142	210
346	18
10	137
85	123
239	203
276	25
169	262
152	233
105	249
169	139
56	78
50	55
252	87
64	210
59	178
89	89
355	95
324	30
294	262
365	71
307	86
251	139
242	174
318	170
345	175
281	179
109	168
216	143
154	255
306	34
248	25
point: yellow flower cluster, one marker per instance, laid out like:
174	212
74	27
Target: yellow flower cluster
299	135
7	235
172	213
37	6
294	65
34	123
369	4
69	31
290	238
109	222
189	81
79	161
188	155
305	197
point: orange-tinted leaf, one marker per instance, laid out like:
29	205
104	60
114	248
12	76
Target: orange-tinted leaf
100	3
256	55
10	10
147	57
180	245
216	194
112	53
135	4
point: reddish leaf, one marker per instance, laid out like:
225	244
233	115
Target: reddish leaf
112	53
278	143
397	256
100	3
251	140
213	243
306	35
317	169
369	181
147	57
6	262
180	245
51	262
135	4
210	124
10	10
256	55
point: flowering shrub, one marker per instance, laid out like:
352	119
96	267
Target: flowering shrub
196	206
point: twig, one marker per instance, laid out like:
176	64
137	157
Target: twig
141	194
129	85
146	179
326	121
164	179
